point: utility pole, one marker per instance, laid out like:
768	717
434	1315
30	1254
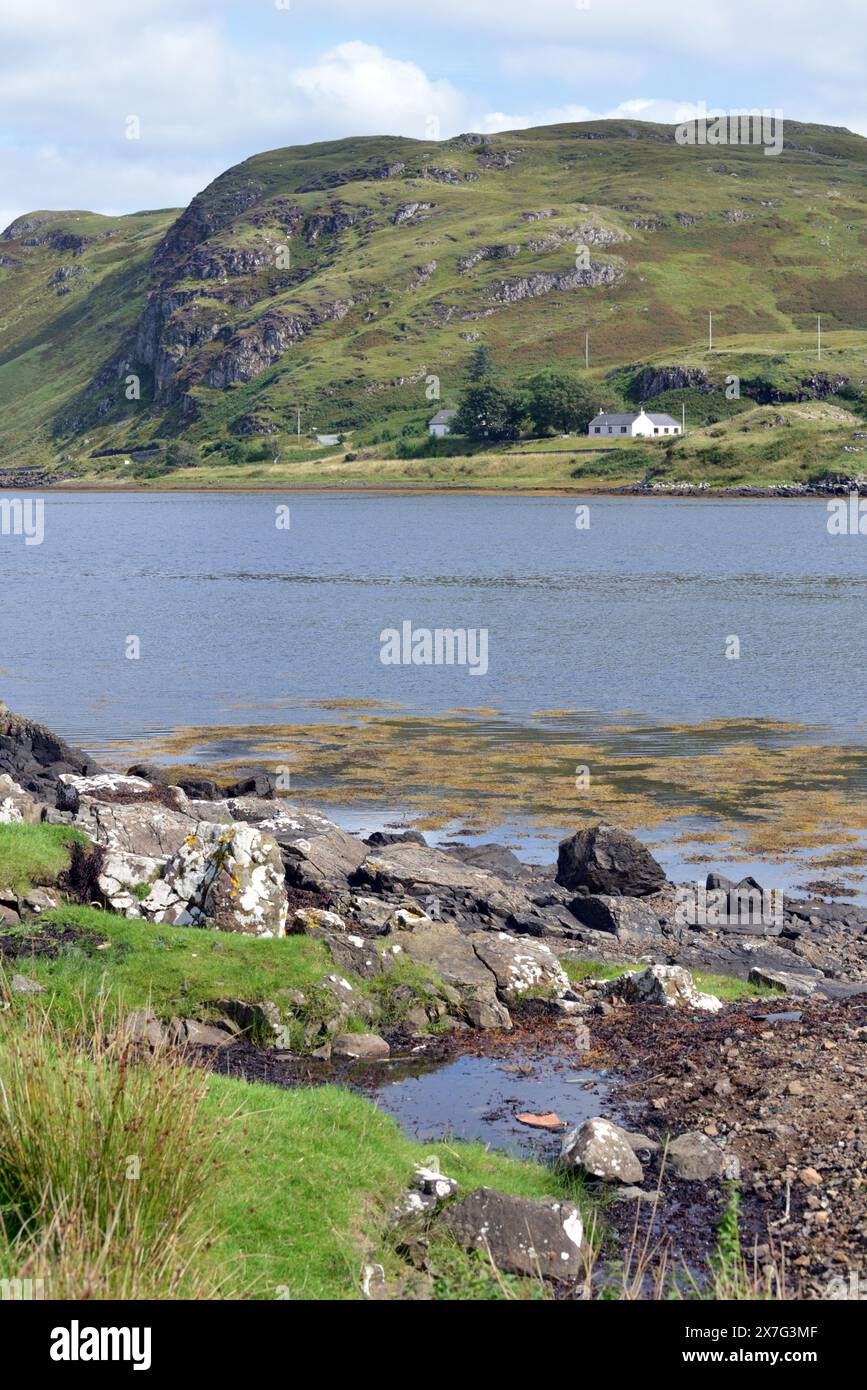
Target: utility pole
819	335
299	429
587	350
683	417
710	332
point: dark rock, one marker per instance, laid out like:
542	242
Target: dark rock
694	1157
34	757
621	916
149	772
495	858
200	788
520	1235
252	782
395	837
607	860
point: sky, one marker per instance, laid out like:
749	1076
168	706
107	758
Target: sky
210	82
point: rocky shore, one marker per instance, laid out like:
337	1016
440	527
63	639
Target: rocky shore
839	486
719	1094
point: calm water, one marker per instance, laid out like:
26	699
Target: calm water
479	1097
238	620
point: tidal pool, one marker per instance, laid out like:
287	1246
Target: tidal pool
477	1098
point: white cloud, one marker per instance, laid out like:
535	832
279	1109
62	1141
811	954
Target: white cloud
370	93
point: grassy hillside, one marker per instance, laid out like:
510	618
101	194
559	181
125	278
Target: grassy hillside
339	278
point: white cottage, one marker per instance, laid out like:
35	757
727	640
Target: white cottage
641	425
441	423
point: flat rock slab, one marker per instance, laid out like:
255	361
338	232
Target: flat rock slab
358	1046
433	872
520	966
519	1235
791	983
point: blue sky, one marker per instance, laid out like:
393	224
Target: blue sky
212	81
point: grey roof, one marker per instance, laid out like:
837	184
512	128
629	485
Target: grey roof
442	417
621	419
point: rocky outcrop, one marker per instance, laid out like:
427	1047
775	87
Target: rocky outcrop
604	859
459	889
317	854
17	806
487	253
127	814
228	878
585	234
520	967
209	212
409	212
655	381
253	350
35	758
443	947
543	282
622	916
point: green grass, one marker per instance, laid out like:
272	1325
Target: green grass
174	970
185	971
104	1164
315	1170
209	1186
31	854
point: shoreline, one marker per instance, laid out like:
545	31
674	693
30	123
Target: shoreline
782	492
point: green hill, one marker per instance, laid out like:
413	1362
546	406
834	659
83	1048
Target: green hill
339	278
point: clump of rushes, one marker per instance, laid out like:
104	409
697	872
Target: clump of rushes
105	1166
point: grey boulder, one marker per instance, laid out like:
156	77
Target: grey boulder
603	1150
519	1235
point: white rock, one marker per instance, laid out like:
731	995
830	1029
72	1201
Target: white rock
670	985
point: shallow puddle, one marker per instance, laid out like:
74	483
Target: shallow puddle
479	1097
